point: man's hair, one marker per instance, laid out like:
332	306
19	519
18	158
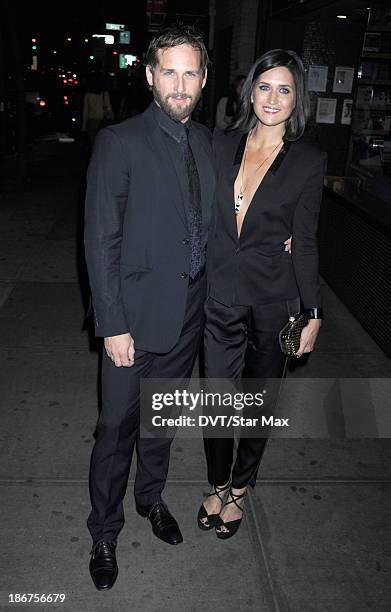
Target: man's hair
173	37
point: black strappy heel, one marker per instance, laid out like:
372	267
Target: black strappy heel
231	526
214	520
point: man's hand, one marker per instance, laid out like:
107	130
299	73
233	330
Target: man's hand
120	349
308	337
288	245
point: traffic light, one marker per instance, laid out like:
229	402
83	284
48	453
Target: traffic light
34	53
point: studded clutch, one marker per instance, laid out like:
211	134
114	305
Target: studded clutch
289	336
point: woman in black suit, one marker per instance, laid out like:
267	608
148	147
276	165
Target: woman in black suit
269	188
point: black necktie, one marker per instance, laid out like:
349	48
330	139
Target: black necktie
194	212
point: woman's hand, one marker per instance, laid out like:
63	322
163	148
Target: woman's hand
288	245
308	337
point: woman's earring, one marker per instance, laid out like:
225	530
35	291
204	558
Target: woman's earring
252	100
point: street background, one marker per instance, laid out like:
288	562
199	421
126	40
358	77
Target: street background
315	535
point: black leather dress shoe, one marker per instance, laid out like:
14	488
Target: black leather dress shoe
164	526
103	565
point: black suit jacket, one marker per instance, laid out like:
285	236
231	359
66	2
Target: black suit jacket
136	231
255	269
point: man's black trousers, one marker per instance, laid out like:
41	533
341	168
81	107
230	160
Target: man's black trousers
118	427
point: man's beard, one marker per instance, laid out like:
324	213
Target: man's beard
176	113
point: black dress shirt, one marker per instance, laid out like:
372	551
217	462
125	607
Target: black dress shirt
178	135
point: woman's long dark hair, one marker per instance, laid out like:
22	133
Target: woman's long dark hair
295	125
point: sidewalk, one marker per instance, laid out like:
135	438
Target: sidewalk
315	535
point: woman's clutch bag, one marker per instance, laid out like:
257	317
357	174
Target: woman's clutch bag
289	336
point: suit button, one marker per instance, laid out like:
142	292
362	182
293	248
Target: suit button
183	275
186	241
237	251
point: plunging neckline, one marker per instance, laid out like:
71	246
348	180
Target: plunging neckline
270	170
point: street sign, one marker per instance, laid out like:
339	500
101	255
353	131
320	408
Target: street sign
124	37
115	26
126	59
109	38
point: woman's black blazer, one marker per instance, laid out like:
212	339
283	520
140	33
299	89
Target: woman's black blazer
255	269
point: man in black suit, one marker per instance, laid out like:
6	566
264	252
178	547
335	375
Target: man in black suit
149	203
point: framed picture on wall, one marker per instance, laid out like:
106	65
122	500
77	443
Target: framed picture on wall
372	42
343	79
317	78
346	117
325	110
